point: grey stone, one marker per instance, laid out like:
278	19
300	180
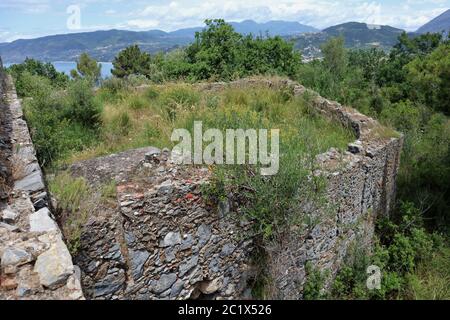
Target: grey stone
15	257
166	187
165	282
188	266
170	254
129	238
214	265
176	288
114	253
355	148
171	239
23	291
40	201
109	285
204	234
227	250
138	259
31	183
8	227
187	243
224	208
196	276
152	155
54	266
9	215
210	287
40	221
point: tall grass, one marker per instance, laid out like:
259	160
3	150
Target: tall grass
148	117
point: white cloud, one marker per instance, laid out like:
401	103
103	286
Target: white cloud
142	24
318	13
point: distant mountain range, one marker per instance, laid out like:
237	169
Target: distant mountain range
104	45
438	24
280	28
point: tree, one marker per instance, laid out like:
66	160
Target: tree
222	53
335	56
268	55
132	61
36	68
215	50
87	68
430	78
392	72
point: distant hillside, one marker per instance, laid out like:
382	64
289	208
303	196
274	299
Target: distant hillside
104	45
363	35
438	24
356	35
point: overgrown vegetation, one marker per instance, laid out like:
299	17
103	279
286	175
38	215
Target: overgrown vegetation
73	201
218	52
407	89
412	262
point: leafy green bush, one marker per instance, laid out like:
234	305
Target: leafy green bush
404	245
61	122
21	74
131	61
82	107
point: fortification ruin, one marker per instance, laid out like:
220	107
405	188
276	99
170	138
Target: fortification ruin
35	262
161	239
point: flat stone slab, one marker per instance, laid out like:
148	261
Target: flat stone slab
54	266
15	257
41	221
31	183
113	167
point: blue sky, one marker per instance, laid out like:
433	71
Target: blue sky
34	18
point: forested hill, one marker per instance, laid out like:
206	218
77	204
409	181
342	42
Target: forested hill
355	34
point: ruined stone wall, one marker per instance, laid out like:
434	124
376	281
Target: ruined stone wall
360	186
34	260
162	240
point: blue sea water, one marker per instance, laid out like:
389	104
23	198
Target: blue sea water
67	66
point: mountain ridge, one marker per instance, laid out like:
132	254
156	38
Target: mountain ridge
105	44
438	24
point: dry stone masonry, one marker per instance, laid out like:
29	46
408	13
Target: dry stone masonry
162	239
34	260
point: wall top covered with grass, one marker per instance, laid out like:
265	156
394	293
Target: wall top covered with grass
147	228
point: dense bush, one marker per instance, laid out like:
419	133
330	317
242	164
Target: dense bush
403	246
131	61
218	52
32	67
61	121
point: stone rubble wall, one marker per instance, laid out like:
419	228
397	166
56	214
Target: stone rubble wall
361	186
163	240
34	260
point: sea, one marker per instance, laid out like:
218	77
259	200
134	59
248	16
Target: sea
67	66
